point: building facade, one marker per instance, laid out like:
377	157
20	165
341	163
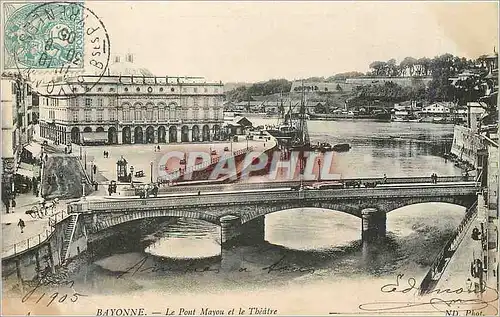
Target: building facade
17	128
131	106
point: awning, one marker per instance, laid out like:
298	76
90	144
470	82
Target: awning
95	137
24	172
34	148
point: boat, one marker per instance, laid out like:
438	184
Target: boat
341	147
322	147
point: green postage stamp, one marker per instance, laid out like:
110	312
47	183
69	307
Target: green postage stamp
43	35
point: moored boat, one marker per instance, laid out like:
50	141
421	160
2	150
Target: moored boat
341	147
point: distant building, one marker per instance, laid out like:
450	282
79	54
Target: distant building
129	105
237	126
439	108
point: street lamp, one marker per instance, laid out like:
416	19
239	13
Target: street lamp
92	171
131	176
247	141
151	164
319	169
231	139
85	154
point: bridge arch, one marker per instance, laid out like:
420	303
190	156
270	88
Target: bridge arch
353	207
106	221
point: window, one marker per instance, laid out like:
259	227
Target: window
88	115
205	90
161	89
111	89
137	114
75	116
112	114
184	114
126	115
99	115
172	89
99	89
196	112
99	102
216	90
205	102
184	90
138	89
195	89
88	102
216	113
161	114
155	114
149	114
126	89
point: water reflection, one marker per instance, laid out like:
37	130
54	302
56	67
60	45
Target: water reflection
187	239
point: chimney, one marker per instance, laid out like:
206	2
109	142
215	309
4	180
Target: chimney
130	58
117	59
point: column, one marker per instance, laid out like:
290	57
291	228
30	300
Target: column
373	224
179	134
155	134
190	134
119	135
167	135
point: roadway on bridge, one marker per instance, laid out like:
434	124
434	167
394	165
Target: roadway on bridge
275	187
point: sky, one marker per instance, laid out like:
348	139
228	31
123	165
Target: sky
253	41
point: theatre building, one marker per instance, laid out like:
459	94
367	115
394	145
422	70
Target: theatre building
129	105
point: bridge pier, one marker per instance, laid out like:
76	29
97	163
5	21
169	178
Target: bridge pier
233	232
373	224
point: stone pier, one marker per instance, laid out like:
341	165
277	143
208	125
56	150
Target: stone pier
233	232
373	224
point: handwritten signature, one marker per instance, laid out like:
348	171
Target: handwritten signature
141	267
61	297
436	303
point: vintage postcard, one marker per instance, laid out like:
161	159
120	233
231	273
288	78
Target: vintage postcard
223	158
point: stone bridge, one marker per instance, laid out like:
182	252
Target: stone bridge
241	212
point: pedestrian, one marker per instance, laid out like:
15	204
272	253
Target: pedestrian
104	154
468	283
385	178
95	168
21	225
158	148
154	149
13	205
435	178
7	204
199	193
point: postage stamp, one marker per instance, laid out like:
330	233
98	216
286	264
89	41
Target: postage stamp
249	158
50	42
44	36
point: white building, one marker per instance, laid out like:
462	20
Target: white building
130	105
17	129
438	108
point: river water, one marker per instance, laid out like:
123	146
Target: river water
303	246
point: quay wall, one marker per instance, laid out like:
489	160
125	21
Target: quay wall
466	144
45	255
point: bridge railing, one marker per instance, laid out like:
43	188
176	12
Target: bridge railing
35	240
247	197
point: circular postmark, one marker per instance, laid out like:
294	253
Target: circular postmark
62	48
